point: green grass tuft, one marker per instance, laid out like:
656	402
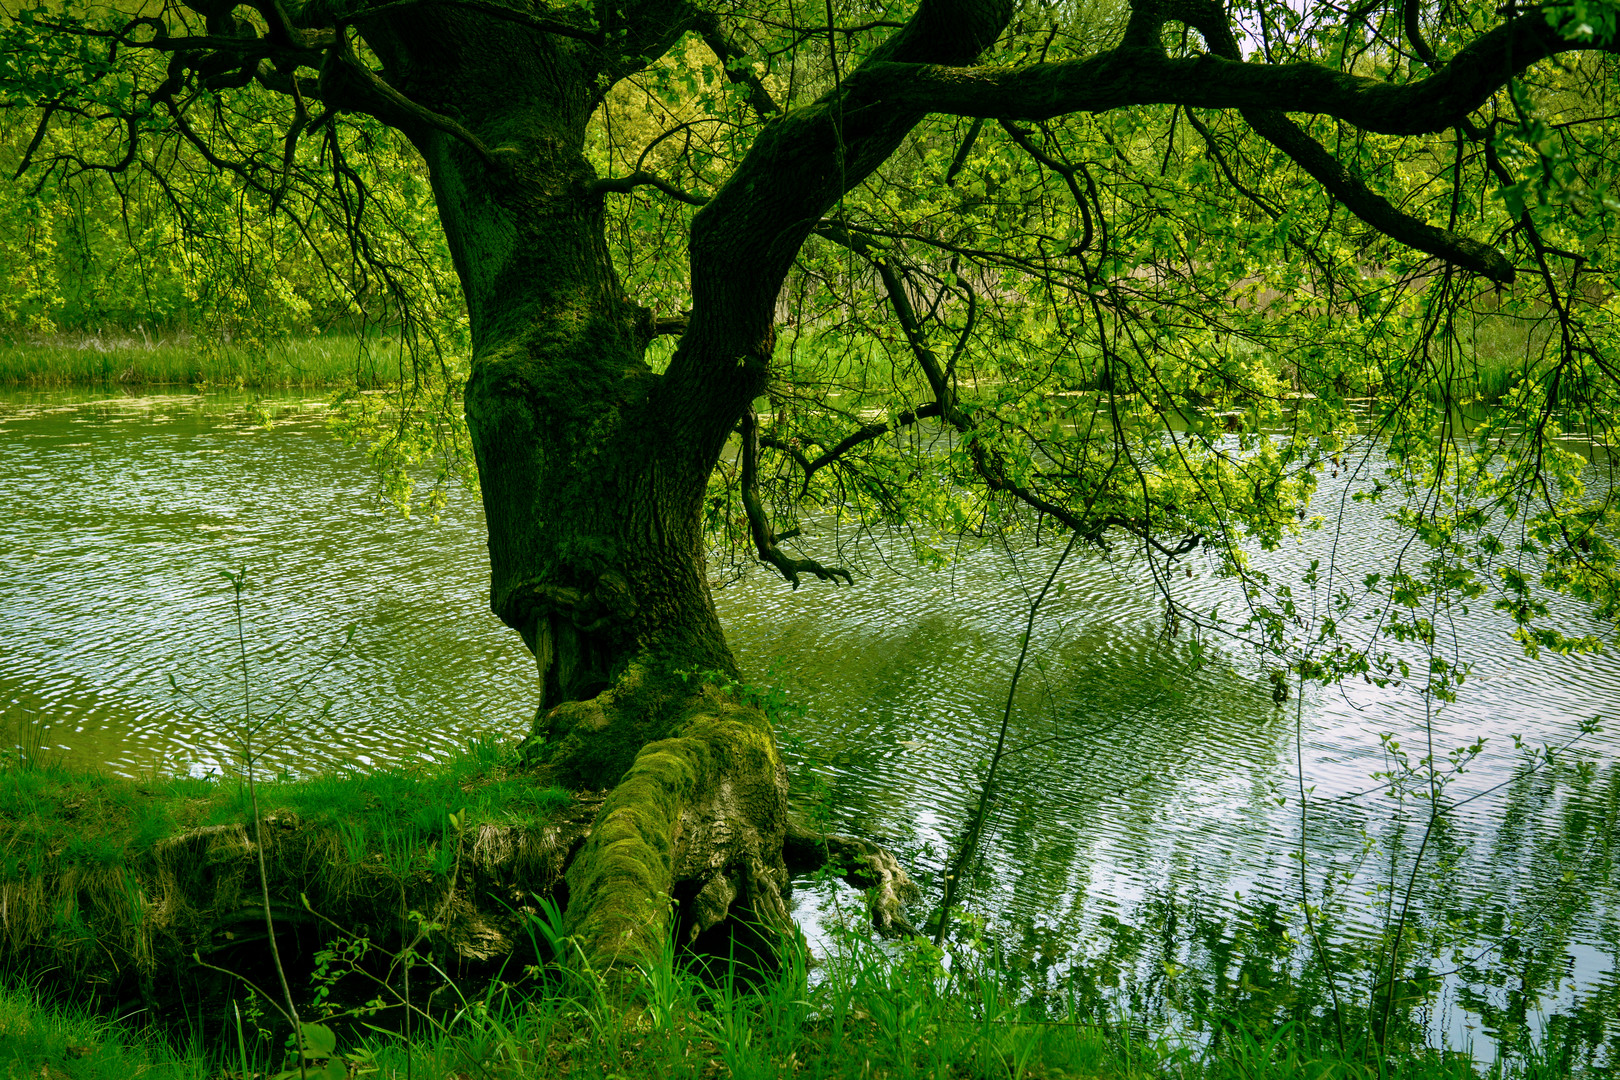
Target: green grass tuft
870	1011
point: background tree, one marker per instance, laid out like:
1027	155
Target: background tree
1112	289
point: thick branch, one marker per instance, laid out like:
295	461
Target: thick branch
1143	76
1276	128
1373	208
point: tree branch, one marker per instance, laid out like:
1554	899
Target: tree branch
735	61
1373	208
987	461
641	178
342	62
863	434
759	528
1143	76
544	24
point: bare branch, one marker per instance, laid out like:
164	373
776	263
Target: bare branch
621	185
759	528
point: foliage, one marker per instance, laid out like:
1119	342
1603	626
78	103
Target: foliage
1139	323
1079	287
167	243
866	1011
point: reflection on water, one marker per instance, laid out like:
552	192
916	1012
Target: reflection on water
1151	821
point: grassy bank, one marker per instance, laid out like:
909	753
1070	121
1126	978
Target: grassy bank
864	1012
121	360
101	864
123	882
1498	360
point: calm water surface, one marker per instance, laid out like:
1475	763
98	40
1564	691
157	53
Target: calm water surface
1157	792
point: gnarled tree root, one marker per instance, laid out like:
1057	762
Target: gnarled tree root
864	865
690	836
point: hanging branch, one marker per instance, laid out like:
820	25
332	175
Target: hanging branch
970	838
765	539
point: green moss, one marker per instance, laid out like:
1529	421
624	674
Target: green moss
723	761
591	744
113	870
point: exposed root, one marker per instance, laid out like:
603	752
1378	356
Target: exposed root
698	822
197	893
864	865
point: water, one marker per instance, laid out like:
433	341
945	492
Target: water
1151	823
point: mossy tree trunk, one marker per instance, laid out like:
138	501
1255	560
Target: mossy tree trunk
593	468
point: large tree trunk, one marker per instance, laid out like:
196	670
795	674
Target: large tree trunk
593	468
592	488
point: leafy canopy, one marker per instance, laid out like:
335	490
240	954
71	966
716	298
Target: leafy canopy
1105	287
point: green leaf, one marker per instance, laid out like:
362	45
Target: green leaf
319	1041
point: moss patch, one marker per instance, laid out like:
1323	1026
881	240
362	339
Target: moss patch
117	879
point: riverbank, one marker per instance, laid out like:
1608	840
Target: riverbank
140	899
127	884
863	1013
138	360
123	358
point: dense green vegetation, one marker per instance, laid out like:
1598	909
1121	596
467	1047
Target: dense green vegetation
58	361
948	267
865	1011
121	879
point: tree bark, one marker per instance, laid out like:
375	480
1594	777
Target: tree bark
592	492
592	467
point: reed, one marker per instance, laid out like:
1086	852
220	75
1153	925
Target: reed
183	360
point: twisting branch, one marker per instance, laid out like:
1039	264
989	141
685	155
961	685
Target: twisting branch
1064	170
290	146
863	434
1145	76
621	185
736	64
765	540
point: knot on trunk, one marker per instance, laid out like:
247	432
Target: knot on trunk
605	603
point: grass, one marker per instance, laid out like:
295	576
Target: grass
82	816
101	360
867	1011
102	875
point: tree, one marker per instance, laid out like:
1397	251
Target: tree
1084	268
